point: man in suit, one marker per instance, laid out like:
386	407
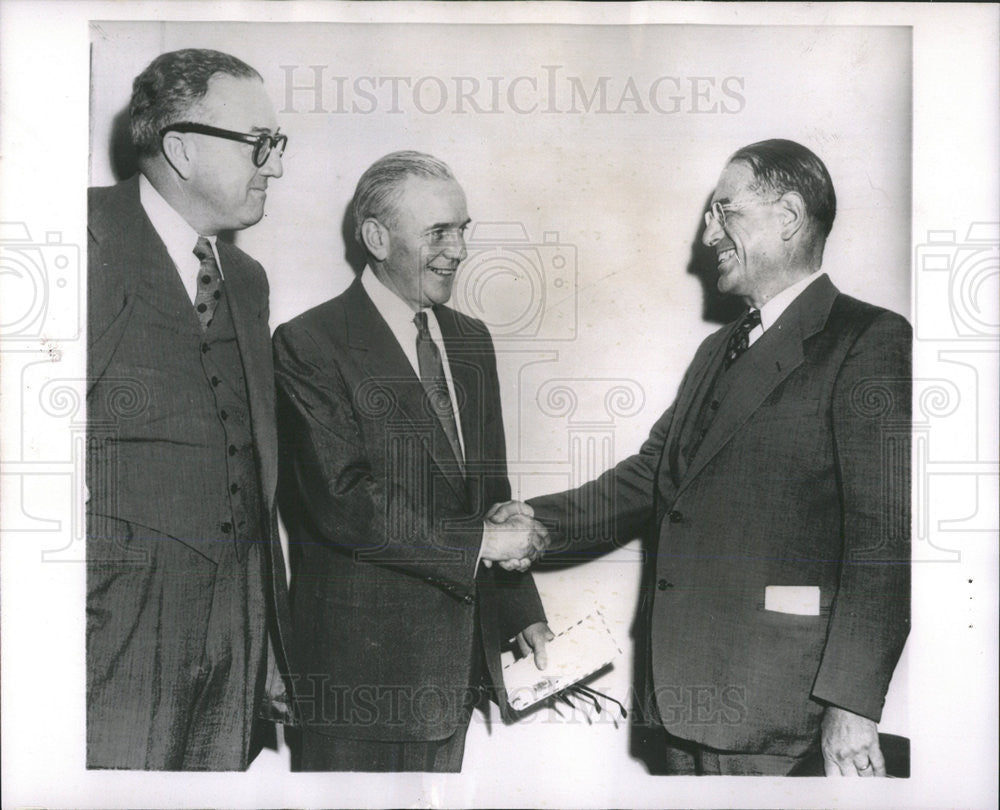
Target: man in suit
392	448
186	595
776	488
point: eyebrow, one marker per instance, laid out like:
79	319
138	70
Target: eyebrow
437	226
265	130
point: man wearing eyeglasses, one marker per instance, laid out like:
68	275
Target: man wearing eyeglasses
186	596
776	598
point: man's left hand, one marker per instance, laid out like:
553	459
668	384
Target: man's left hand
850	744
533	638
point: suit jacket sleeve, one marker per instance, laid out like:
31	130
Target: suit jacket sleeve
510	595
363	511
617	505
869	619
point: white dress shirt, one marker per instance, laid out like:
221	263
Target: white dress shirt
771	311
398	315
178	237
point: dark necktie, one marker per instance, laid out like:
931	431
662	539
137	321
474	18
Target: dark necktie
209	283
739	341
432	377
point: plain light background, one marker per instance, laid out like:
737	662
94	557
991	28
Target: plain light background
624	194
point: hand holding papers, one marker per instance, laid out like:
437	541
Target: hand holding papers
574	654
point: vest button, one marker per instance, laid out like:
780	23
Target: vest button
223	414
215	381
205	347
675	516
226	527
663	584
468	599
714	405
232	449
234	488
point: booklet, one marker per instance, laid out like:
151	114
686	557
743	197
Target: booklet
576	652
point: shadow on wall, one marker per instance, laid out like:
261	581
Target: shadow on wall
124	162
716	307
354	254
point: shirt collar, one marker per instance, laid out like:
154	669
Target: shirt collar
174	231
390	306
771	311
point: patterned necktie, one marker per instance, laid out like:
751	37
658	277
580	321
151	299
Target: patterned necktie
209	283
433	379
739	341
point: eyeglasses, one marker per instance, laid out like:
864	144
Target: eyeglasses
262	143
717	211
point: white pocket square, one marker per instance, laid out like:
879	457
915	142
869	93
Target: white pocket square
802	600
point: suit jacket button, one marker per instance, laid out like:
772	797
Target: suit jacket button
468	599
675	516
662	584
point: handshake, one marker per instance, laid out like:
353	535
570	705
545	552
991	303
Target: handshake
512	537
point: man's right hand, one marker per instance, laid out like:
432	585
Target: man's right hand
512	537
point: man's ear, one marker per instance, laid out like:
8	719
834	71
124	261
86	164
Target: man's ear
376	238
793	214
179	154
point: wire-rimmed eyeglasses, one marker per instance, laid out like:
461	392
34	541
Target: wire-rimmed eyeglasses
717	210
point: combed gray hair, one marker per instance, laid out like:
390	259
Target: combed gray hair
378	191
170	86
780	165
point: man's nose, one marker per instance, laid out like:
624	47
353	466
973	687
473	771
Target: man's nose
272	166
455	250
713	230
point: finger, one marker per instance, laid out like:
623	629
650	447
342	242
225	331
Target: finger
541	657
488	563
830	766
501	512
862	765
523	645
877	760
847	767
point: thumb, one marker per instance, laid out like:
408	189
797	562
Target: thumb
502	512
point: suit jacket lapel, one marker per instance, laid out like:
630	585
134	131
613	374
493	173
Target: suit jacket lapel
768	363
134	260
692	393
253	340
386	364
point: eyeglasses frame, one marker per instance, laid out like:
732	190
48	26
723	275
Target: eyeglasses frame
717	211
277	141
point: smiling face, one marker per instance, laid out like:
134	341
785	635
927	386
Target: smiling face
225	187
749	248
423	243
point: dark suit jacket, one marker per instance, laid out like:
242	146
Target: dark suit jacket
384	530
802	480
125	259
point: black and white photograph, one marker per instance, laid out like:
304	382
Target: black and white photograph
499	405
